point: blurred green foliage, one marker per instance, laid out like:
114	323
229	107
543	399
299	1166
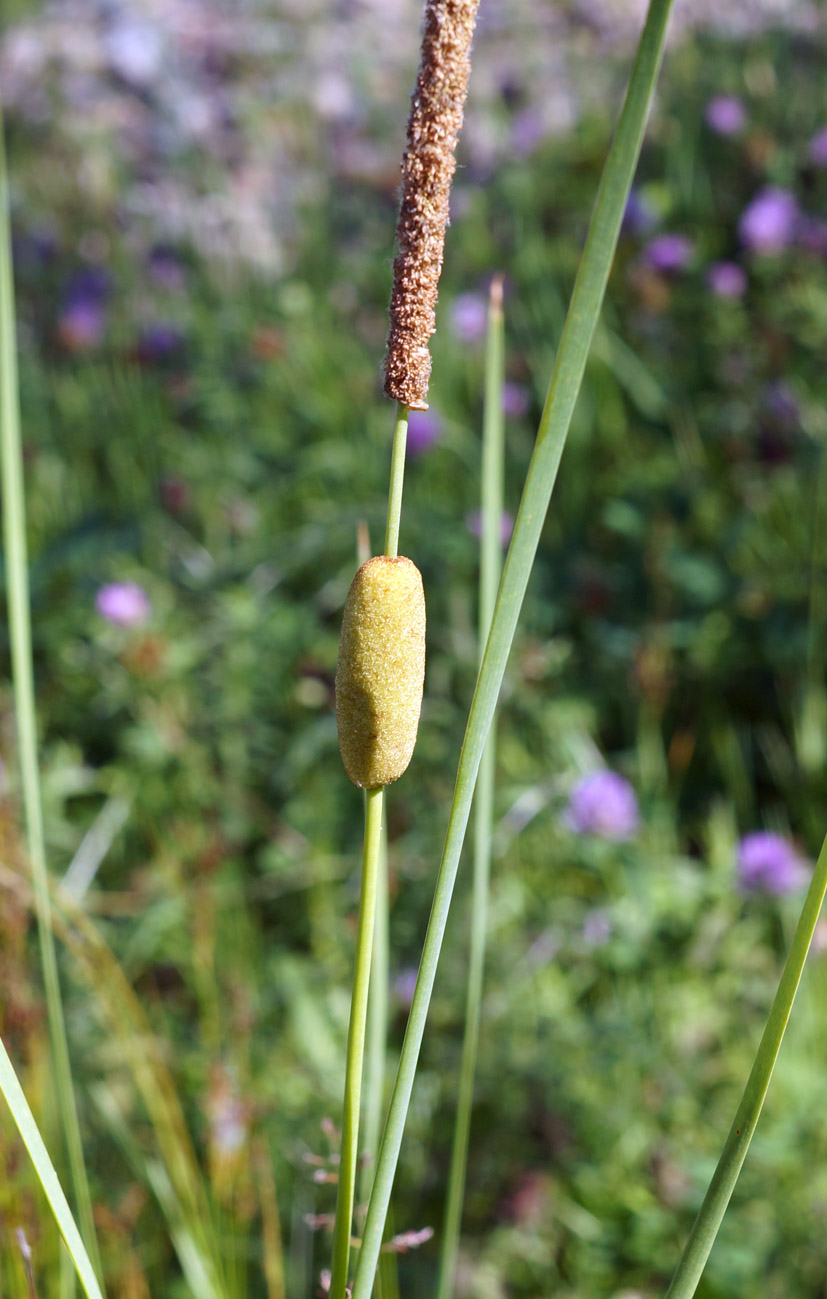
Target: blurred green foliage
674	625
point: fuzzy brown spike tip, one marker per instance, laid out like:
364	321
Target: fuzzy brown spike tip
427	170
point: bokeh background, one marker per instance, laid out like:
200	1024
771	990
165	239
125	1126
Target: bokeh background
204	198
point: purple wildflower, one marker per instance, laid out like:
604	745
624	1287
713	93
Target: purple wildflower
135	51
604	804
527	132
473	522
769	223
81	325
727	279
515	400
725	115
638	217
424	430
817	151
158	343
668	252
123	603
166	268
83	316
404	985
768	863
469	315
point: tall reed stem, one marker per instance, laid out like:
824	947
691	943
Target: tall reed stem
572	353
374	801
705	1229
19	616
490	569
371	865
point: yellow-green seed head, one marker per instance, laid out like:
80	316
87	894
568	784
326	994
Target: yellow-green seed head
381	670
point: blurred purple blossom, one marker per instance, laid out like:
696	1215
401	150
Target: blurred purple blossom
727	279
404	985
158	343
769	223
135	51
604	804
725	115
817	151
515	400
528	130
473	522
769	863
424	431
469	315
166	268
670	252
81	325
639	217
781	402
126	604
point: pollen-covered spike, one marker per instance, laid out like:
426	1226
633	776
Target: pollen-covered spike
381	670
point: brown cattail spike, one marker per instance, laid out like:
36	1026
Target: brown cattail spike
427	170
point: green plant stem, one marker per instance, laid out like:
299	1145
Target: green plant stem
377	1030
374	801
572	353
705	1229
490	569
26	1126
400	438
17	595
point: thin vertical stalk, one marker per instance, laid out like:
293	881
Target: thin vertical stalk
374	801
400	438
570	364
705	1229
377	1030
490	570
19	616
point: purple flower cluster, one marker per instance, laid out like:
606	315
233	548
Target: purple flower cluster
473	523
725	115
769	224
603	803
424	431
125	604
768	863
727	279
668	253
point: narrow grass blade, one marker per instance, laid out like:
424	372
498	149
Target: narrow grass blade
138	1048
701	1238
570	364
17	594
26	1126
490	570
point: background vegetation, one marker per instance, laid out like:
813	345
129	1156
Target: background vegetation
202	417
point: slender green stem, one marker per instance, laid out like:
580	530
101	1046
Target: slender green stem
572	353
374	800
710	1215
400	438
17	589
377	1030
490	569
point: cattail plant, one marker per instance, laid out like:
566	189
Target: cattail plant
382	650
